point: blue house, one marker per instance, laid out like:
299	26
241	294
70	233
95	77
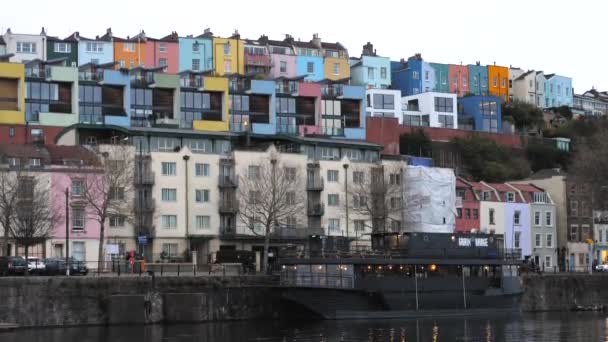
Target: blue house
96	51
104	95
412	77
371	70
480	113
558	91
196	54
441	78
478	79
252	102
356	93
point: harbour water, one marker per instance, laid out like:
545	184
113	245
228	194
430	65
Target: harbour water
546	327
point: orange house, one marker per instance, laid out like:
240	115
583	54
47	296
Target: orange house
498	79
130	52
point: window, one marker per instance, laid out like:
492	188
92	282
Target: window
537	218
359	225
548	261
34	162
573	208
286	105
467	213
283	66
201	170
537	240
128	47
336	69
291	222
446	121
464	81
476	214
11	132
358	177
77	188
227	49
370	72
383	73
117	221
202	196
162	47
395	202
290	198
13	162
94	47
228	66
502	82
203	222
510	197
455	80
573	233
415	75
290	174
549	241
63	48
486	196
195	47
253	172
78	218
334	226
169	221
548	219
310	67
487	107
170	249
78	251
394	179
169	195
26	47
169	168
359	201
333	200
116	193
491	216
396	226
517	217
196	64
332	176
444	104
162	62
384	101
495	82
516	239
459	212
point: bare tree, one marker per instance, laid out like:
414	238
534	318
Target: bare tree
376	193
34	215
8	203
270	195
108	192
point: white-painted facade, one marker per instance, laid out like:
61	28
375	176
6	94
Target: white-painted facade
25	47
430	109
384	103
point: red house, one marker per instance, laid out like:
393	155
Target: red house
467	211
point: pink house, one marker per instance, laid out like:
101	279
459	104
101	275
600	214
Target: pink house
70	168
164	51
307	89
458	78
282	57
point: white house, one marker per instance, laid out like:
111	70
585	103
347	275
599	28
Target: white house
25	47
430	109
384	103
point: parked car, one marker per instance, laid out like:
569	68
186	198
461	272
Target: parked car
57	266
12	265
601	268
35	265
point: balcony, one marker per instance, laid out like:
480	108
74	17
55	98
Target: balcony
143	80
90	76
240	85
295	233
315	184
290	88
316	209
257	60
227	231
144	178
146	205
38	72
288	129
91	119
332	90
228	181
193	82
229	206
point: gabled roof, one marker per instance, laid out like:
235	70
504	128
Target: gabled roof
24	151
60	154
73	38
522	76
173	37
548	76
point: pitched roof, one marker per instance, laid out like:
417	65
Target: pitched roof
306	45
333	46
522	76
73	38
60	154
24	151
173	37
279	43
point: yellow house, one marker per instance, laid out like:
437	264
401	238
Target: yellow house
335	63
217	87
12	93
229	55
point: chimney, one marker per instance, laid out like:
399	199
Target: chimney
288	39
418	56
142	34
263	39
207	32
236	35
402	60
478	63
494	62
316	41
368	50
43	33
77	35
8	31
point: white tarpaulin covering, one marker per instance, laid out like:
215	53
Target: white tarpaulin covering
429	196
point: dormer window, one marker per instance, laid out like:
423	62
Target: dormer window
510	197
13	162
485	196
35	162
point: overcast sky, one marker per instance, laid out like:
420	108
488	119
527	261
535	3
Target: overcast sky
564	37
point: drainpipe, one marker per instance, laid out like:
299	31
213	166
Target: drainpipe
186	158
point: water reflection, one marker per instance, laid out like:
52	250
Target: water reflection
540	327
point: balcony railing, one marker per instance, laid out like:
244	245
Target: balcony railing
144	178
290	88
39	72
91	76
230	206
143	80
145	205
91	119
316	209
315	184
288	129
227	231
226	181
295	233
240	85
192	82
332	90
